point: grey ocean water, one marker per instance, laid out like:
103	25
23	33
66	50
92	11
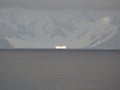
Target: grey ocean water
59	70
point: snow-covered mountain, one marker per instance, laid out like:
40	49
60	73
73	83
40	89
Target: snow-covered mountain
75	31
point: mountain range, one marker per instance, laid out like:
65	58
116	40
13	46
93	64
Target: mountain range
81	31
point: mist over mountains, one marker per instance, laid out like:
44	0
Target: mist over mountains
41	29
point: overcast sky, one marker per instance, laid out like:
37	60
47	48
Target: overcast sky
63	4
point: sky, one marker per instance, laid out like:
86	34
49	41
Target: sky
63	4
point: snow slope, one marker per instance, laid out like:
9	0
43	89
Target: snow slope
50	29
